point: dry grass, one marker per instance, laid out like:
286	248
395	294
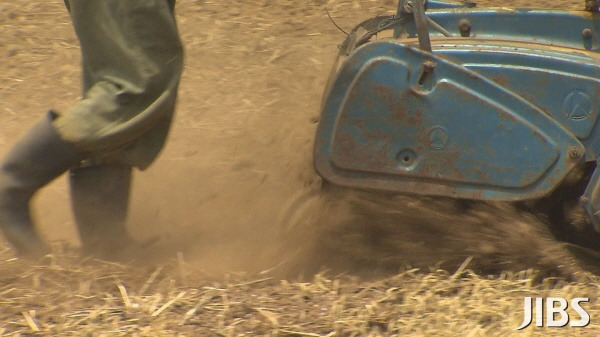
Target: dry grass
63	296
253	79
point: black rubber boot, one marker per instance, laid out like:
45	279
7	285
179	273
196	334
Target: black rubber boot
100	200
37	158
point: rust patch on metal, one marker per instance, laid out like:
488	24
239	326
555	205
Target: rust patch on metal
501	80
539	136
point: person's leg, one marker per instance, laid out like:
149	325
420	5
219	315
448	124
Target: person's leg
100	200
37	158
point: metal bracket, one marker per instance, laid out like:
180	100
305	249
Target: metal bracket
417	8
421	24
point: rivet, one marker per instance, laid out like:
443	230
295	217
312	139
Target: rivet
575	152
428	66
464	26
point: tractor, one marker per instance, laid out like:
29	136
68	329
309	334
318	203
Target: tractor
445	99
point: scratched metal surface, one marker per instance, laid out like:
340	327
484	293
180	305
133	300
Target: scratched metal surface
515	136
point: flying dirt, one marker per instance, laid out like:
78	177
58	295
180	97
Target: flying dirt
480	119
241	150
227	255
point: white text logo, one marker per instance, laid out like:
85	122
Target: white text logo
556	312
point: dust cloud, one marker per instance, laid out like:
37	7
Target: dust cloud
239	154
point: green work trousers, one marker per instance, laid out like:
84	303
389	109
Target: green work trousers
132	59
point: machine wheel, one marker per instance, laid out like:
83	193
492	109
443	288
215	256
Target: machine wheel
300	223
567	219
301	211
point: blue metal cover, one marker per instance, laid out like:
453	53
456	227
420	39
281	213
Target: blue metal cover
400	119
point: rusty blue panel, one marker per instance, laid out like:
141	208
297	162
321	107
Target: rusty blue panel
433	4
562	28
564	85
403	120
503	108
